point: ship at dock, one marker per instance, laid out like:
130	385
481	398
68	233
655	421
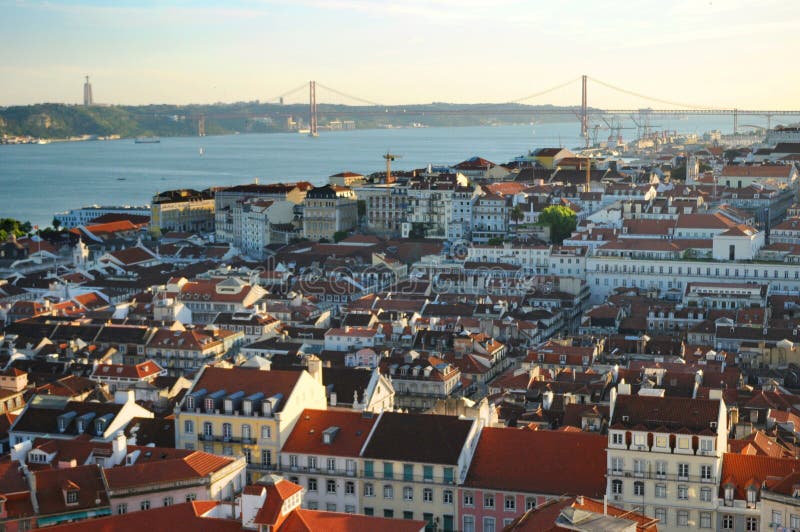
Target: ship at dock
147	140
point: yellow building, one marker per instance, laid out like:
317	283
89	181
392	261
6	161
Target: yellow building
250	412
182	210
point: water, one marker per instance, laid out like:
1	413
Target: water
38	180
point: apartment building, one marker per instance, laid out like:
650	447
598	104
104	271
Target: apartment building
184	210
664	456
246	411
322	455
412	464
228	204
328	210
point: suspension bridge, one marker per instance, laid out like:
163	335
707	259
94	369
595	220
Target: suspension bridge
585	114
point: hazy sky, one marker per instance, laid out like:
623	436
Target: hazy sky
717	53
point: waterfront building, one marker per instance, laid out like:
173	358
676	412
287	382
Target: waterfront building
182	210
328	210
85	215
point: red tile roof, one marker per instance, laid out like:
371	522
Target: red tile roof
316	521
168	470
249	381
745	470
307	435
501	462
184	516
87	478
672	414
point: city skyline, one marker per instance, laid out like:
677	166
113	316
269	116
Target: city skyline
415	52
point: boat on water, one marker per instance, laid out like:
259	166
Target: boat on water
147	140
121	179
202	152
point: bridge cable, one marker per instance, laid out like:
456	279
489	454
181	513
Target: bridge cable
285	94
645	97
541	93
350	96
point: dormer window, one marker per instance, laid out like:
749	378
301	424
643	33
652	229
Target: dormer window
751	496
72	496
190	402
728	493
209	404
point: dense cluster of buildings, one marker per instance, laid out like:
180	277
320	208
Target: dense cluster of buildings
413	351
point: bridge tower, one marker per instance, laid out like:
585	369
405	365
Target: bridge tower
312	119
584	111
201	126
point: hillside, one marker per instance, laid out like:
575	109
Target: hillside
53	121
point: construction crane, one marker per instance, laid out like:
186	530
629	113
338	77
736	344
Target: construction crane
389	158
615	129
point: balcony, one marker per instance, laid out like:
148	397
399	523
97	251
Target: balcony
315	470
653	475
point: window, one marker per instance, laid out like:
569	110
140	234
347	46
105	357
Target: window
683	471
427	473
388	470
330	486
683	492
705	494
312	463
727	522
638	467
469	499
488	524
616	487
408	493
777	518
369	510
191	497
683	443
168	501
312	484
72	497
447	496
408	472
349	488
246	433
408	515
488	501
511	504
349	509
705	472
248	455
683	518
616	464
144	505
751	524
292	461
266	458
751	497
530	503
122	508
705	520
448	475
469	523
638	488
331	464
266	432
661	515
369	490
427	495
388	513
188	426
661	491
208	429
388	491
794	521
706	445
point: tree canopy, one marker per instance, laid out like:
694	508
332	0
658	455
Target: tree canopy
10	225
561	220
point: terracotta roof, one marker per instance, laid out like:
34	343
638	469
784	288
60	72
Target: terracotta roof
307	435
165	470
422	438
776	170
673	414
743	471
315	521
249	381
500	462
127	371
134	255
87	478
183	516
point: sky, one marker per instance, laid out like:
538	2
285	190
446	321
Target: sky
732	53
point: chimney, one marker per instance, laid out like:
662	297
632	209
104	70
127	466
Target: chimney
315	368
119	448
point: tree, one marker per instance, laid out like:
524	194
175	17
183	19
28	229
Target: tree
497	241
561	220
516	214
338	236
11	226
56	223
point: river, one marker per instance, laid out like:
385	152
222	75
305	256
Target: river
38	180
